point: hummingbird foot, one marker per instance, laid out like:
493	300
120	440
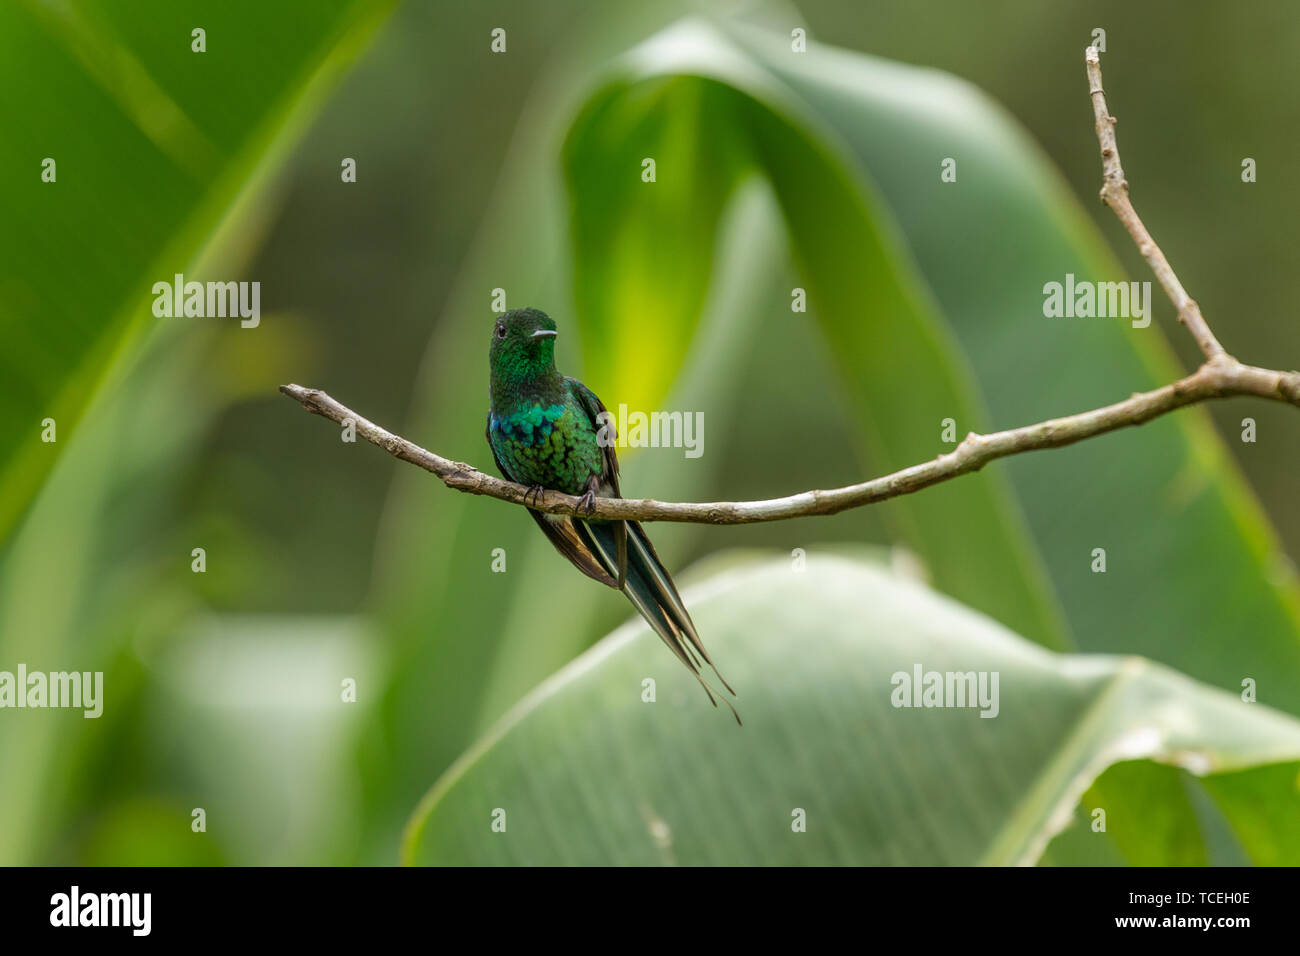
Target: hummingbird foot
588	499
536	491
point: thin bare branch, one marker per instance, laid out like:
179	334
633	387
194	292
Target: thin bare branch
1221	376
1212	380
1114	193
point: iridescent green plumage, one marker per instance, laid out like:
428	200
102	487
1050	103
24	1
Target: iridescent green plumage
549	431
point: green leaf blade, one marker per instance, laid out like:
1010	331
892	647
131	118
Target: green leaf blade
587	772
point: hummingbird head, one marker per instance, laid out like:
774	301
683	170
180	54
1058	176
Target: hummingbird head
523	345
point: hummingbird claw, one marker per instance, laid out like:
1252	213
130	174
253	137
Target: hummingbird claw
587	501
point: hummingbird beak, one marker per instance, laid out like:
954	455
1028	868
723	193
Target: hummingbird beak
544	334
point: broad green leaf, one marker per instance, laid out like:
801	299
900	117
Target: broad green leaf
709	116
1195	577
1264	808
98	578
87	576
464	645
153	145
1161	816
1194	548
587	772
164	161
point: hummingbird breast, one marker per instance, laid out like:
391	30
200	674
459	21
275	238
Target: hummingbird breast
553	445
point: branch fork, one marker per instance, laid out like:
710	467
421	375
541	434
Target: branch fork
1220	376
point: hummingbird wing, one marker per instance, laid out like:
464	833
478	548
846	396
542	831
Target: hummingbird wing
600	420
607	435
625	551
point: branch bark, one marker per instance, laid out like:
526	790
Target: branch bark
1212	380
1114	193
1221	376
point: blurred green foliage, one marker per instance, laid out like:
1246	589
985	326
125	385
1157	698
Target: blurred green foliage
479	171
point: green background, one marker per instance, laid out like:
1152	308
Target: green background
520	171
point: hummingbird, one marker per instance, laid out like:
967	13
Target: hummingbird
549	431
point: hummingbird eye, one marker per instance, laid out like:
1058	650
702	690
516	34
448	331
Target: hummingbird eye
501	331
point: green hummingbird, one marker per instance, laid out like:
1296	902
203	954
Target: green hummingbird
548	431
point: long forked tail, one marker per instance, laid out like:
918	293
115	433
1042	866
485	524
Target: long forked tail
651	590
